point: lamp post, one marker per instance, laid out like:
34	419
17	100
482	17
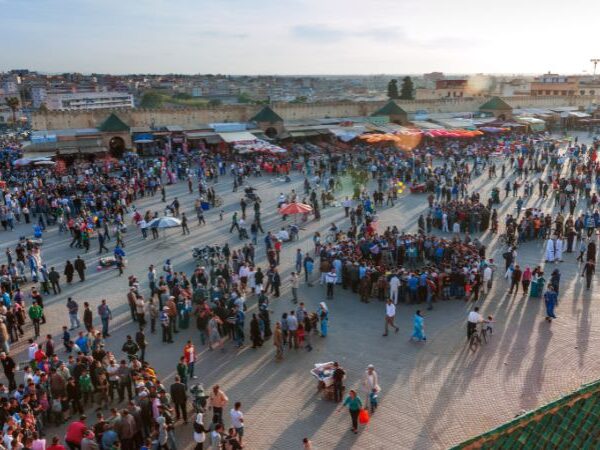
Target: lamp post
595	62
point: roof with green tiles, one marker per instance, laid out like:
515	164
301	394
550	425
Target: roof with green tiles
113	124
266	115
391	108
572	421
495	104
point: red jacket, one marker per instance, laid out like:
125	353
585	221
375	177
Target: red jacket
75	432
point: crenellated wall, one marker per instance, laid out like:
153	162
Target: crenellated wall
289	111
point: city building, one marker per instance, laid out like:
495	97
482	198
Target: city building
551	84
88	100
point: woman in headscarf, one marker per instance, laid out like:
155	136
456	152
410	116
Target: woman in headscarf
199	432
323	313
255	336
418	327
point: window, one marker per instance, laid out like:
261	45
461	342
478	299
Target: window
581	92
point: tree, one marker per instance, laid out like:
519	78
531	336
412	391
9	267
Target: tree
182	96
215	102
392	89
244	97
406	92
13	104
43	108
151	100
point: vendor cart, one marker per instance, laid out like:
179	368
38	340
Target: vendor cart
323	372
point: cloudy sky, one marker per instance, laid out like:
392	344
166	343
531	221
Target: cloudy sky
299	36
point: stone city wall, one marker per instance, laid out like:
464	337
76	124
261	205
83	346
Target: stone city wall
139	117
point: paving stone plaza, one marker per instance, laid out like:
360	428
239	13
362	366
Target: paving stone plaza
434	394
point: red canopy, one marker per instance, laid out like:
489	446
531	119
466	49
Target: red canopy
295	208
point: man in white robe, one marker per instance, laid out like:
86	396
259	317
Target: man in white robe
550	250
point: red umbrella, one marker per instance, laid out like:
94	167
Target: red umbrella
295	208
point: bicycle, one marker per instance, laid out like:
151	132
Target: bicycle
479	336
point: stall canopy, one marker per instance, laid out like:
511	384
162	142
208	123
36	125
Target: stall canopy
237	136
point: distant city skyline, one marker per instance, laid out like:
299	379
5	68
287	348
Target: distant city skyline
298	37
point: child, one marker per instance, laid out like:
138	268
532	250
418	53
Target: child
373	399
300	335
489	327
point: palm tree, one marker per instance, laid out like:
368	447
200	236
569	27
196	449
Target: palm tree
13	104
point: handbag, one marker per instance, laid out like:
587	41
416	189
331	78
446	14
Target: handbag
363	416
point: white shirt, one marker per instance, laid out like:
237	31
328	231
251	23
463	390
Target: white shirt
32	349
487	274
283	235
474	317
390	310
394	282
237	418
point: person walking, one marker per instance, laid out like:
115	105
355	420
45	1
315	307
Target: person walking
588	271
323	314
354	404
54	277
101	246
338	375
167	336
189	354
390	314
515	279
184	224
140	340
73	309
418	327
105	316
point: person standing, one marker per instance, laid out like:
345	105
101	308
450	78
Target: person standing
390	314
101	245
80	267
217	400
237	420
370	384
588	271
278	342
105	316
140	340
199	432
87	317
394	286
550	299
167	336
35	314
330	279
189	354
73	309
131	296
418	327
323	313
179	398
515	279
295	284
338	381
9	367
69	271
354	404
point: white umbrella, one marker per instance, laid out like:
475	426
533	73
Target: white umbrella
164	222
22	162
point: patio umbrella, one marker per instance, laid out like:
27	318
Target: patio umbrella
295	208
22	162
164	222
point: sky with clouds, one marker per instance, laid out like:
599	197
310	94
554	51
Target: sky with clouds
299	36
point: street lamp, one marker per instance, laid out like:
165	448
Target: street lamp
595	62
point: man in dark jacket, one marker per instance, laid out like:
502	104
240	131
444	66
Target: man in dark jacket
9	366
179	398
87	316
54	276
80	268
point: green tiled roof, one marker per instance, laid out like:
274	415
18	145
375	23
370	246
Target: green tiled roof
572	421
496	103
267	115
389	109
113	124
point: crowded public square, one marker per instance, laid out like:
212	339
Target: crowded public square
352	296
